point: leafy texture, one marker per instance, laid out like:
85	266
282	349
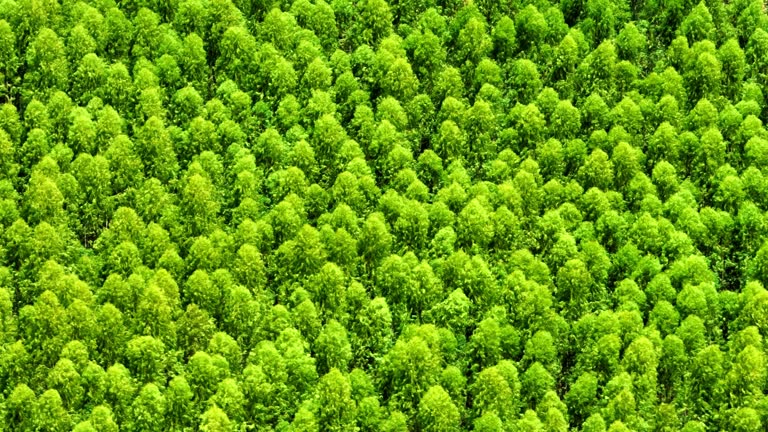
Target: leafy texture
314	215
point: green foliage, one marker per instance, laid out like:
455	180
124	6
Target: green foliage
383	216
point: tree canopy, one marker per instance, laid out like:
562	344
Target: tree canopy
376	215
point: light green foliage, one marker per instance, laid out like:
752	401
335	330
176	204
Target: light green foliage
375	215
437	412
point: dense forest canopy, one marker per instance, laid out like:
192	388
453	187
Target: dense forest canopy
251	215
